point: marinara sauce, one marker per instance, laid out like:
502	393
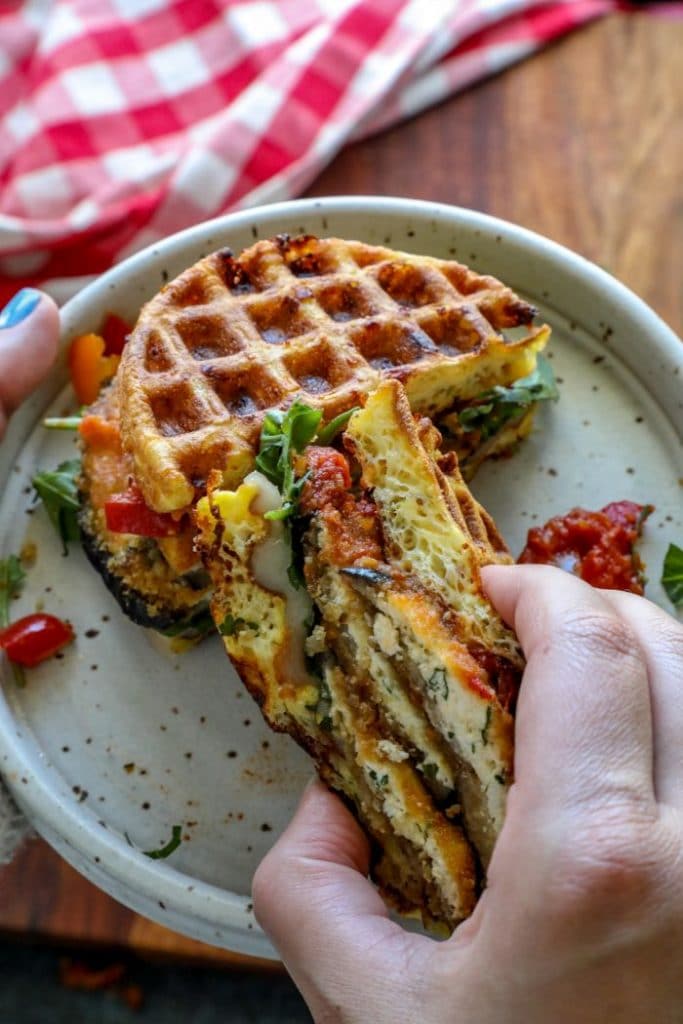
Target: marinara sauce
597	546
352	521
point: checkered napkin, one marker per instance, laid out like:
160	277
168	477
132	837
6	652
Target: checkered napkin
122	121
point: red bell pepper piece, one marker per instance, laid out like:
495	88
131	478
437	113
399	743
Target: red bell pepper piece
115	332
127	512
32	639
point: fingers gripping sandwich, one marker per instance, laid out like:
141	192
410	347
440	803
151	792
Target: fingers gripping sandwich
346	585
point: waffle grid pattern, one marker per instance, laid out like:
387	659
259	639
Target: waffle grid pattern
323	320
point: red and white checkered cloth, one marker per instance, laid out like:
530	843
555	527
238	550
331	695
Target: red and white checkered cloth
122	121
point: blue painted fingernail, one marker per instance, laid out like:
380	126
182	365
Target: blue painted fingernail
19	307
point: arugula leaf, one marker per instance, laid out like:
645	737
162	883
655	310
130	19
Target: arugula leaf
331	429
494	408
59	493
672	575
295	572
168	849
282	435
12	578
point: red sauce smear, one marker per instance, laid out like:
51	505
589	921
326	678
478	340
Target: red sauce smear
599	547
329	481
352	521
503	676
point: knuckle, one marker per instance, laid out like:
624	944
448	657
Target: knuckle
614	870
603	635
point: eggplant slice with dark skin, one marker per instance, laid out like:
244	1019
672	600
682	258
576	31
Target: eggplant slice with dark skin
170	604
150	592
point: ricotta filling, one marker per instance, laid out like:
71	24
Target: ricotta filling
270	560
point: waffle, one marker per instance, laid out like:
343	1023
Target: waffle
322	319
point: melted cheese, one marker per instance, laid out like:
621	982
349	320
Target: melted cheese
270	560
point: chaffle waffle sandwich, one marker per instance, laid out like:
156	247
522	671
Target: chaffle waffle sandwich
230	339
346	585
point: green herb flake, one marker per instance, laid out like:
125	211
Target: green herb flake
672	575
322	707
231	626
438	683
58	491
487	725
500	779
380	780
492	409
430	770
169	848
12	578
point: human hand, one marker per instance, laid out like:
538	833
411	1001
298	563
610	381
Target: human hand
582	918
29	335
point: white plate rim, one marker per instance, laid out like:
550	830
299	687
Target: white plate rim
72	830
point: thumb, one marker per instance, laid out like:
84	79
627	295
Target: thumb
29	335
583	730
332	929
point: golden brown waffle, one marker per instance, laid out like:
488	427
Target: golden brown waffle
322	319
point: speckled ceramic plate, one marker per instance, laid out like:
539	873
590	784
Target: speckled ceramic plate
111	746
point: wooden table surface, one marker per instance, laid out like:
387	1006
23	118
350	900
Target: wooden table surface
582	143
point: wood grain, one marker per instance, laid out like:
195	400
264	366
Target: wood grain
42	898
583	143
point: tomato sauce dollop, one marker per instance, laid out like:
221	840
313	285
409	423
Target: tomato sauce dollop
352	521
597	546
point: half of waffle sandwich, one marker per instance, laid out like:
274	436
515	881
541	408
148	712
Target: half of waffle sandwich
349	598
320	320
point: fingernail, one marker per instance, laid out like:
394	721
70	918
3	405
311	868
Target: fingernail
19	307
